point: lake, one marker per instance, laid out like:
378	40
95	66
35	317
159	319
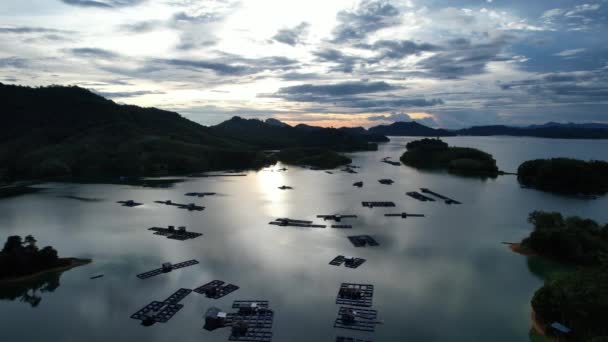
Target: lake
445	277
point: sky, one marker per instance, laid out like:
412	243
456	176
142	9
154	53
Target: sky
444	63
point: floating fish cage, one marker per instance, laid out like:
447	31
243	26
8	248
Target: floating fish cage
378	204
165	268
419	196
355	295
356	319
175	234
348	262
162	312
404	215
445	198
337	217
216	289
129	203
362	240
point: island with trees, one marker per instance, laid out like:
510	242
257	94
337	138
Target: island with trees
577	300
564	175
437	154
21	259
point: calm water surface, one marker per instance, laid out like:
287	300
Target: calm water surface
446	277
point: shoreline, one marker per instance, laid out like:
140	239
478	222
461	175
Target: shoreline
73	262
518	248
538	327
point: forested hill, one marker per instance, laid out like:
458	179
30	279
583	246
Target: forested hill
70	131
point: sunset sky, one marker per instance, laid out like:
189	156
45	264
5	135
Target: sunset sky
446	63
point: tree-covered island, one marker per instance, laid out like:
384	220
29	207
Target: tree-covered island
437	154
577	300
565	175
21	259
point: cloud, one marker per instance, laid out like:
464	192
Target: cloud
292	36
395	117
353	95
103	3
338	89
14	62
570	53
93	53
398	49
369	16
142	26
462	58
565	87
344	63
31	29
230	65
126	94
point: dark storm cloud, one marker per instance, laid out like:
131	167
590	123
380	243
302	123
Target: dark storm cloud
93	53
103	3
370	16
292	36
338	89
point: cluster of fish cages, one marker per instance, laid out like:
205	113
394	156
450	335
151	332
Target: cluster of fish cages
355	294
335	217
386	181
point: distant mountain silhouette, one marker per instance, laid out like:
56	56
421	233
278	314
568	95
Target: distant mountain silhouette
413	129
558	131
548	130
271	136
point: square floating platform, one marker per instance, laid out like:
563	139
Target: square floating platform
200	194
378	204
259	326
245	304
363	240
363	320
348	262
355	295
162	270
216	289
